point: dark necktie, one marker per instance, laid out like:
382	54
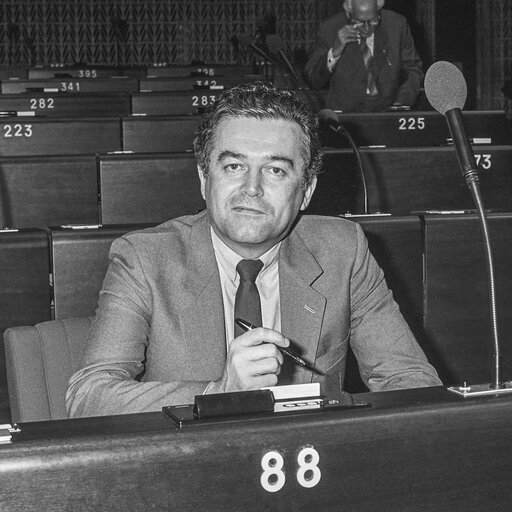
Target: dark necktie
247	299
371	87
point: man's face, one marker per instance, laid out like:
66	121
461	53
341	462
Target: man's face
255	185
365	17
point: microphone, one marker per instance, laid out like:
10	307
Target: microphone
446	90
245	40
330	118
276	45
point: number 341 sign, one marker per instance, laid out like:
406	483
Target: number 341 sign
307	470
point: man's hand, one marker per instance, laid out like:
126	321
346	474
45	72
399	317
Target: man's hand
253	361
345	35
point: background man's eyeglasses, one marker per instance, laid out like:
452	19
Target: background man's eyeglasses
359	23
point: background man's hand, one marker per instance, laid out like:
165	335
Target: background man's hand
346	35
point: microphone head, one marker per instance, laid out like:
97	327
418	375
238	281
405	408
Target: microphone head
445	87
326	114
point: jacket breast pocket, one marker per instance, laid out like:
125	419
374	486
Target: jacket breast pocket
326	362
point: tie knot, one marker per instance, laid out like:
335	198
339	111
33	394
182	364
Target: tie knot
249	269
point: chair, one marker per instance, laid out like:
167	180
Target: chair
40	360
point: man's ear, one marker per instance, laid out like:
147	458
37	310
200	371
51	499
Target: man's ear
202	179
308	194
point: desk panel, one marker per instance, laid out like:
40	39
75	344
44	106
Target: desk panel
72	85
401	180
159	134
148	188
200	70
202	82
457	308
68	104
173	103
35	136
79	263
418	128
85	72
24	290
403	453
48	190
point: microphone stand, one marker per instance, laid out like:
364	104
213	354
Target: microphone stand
245	41
496	386
359	164
275	45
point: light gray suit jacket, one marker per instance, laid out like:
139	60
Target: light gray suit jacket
158	337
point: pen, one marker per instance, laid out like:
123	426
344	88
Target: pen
246	326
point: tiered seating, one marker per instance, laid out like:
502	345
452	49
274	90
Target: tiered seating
120	159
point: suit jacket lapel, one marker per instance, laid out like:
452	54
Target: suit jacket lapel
302	307
380	56
203	312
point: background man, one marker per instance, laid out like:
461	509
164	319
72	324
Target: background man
367	56
164	329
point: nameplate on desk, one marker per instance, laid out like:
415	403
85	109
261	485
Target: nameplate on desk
257	405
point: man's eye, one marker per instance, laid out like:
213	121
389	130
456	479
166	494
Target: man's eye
233	167
276	171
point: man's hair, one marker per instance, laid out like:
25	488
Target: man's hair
261	101
349	4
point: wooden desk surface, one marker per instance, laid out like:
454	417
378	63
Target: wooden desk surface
412	450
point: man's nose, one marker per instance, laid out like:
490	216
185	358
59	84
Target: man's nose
252	185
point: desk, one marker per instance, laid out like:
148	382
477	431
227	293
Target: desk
201	82
70	136
456	299
417	128
401	180
70	84
413	450
59	104
200	70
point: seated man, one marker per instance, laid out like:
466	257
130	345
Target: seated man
367	56
164	330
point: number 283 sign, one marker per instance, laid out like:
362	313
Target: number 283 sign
307	470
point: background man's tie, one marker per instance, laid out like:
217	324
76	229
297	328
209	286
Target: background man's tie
371	87
247	299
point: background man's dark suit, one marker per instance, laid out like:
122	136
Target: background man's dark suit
396	65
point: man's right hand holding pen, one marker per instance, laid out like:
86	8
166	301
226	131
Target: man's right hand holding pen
253	361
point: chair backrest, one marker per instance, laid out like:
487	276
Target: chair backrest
40	360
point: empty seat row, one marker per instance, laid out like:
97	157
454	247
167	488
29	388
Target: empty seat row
122	83
153	187
90	71
150	130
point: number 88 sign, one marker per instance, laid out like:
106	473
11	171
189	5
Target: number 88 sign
308	474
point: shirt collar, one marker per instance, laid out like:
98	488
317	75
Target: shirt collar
229	259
